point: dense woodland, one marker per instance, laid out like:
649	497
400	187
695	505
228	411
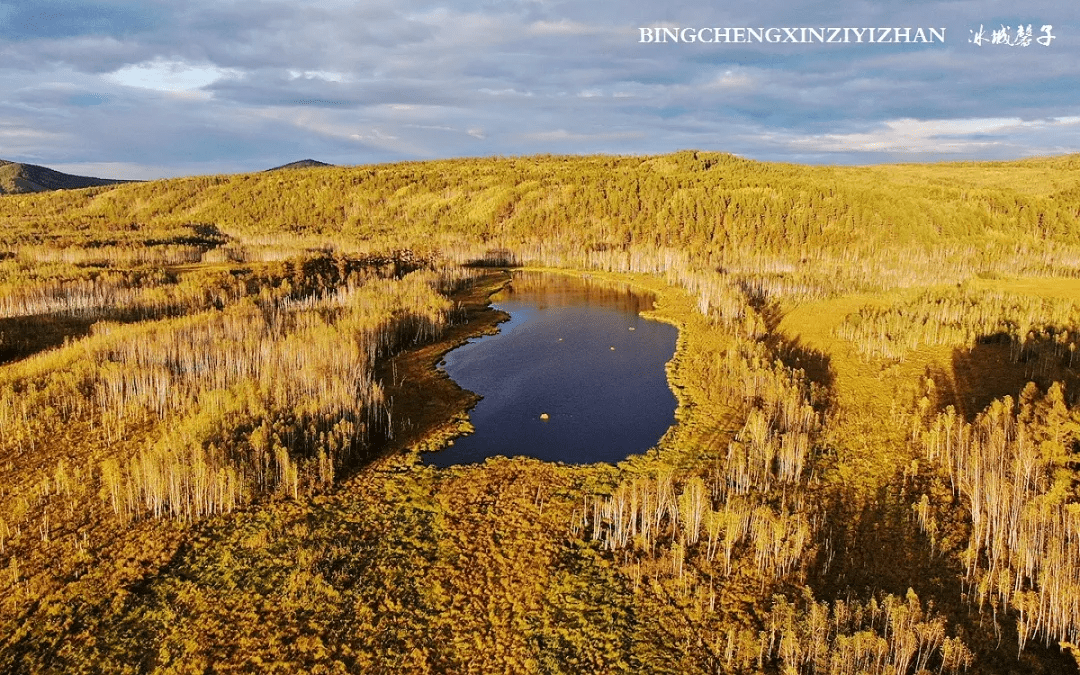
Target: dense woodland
214	392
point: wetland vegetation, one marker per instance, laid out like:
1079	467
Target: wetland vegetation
216	393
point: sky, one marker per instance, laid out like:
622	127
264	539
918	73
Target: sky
161	88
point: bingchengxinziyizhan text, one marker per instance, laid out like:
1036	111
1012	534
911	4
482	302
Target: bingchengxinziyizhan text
800	35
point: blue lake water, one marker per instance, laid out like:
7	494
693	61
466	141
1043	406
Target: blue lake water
577	351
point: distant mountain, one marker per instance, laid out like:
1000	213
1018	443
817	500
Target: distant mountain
302	164
17	178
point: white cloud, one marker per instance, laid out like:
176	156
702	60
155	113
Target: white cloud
916	136
14	132
319	121
730	80
171	76
367	129
504	92
19	139
564	135
562	27
469	31
327	75
121	170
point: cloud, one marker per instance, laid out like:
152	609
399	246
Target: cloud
197	84
22	20
15	132
915	136
21	140
985	138
169	75
730	80
563	27
564	135
122	170
324	75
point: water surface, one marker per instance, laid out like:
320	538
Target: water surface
577	351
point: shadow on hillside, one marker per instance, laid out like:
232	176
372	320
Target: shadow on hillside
502	257
992	369
877	548
984	373
24	336
875	545
815	363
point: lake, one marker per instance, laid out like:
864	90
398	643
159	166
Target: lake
577	351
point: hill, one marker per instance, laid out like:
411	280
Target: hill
782	225
302	164
19	178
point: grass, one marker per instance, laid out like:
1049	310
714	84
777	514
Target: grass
394	566
867	394
429	406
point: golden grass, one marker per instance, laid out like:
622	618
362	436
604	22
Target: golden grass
869	396
431	409
1043	287
400	565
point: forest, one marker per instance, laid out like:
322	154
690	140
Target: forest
215	393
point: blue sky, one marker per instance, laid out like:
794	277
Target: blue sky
163	88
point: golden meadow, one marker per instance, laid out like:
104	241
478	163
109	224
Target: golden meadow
214	390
